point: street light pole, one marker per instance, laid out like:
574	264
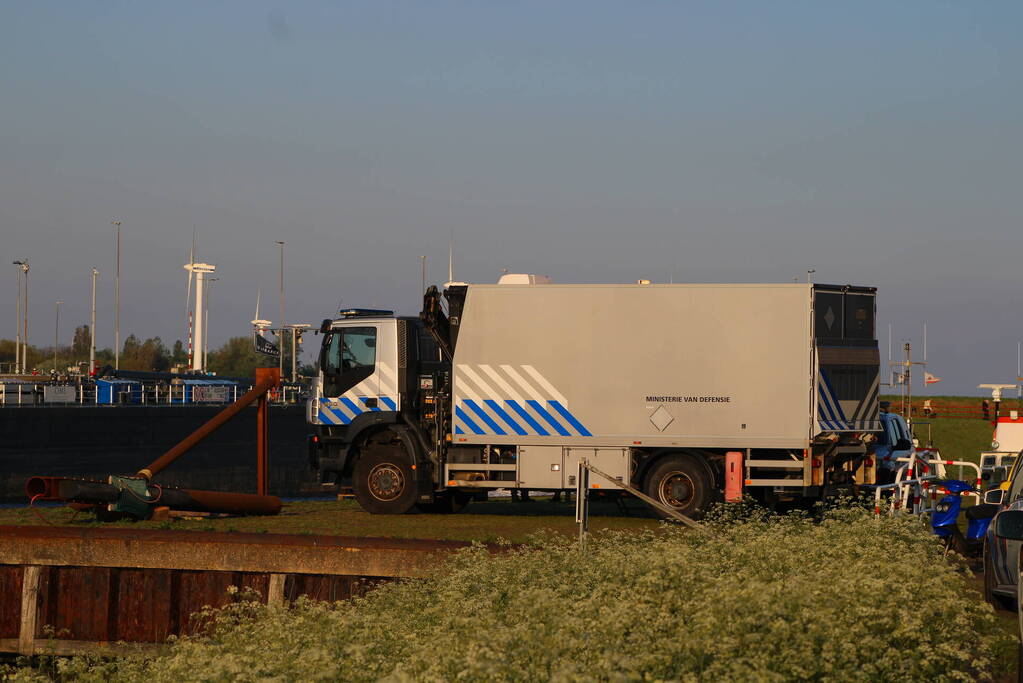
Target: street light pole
92	326
117	300
17	324
56	337
24	333
281	337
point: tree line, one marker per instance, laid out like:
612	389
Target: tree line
235	358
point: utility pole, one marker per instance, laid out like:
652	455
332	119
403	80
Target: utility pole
281	335
17	324
92	326
117	300
24	333
423	290
296	330
56	337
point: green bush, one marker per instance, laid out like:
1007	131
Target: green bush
759	598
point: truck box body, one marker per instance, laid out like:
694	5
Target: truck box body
687	365
659	387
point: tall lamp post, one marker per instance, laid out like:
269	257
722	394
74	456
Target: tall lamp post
17	324
281	337
117	300
23	264
92	326
56	337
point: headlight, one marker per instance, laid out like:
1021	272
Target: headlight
943	507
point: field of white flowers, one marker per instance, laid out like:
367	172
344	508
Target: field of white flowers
764	597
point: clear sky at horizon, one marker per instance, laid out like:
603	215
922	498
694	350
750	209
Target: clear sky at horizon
878	143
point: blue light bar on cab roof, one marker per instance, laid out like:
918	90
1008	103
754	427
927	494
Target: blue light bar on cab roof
363	312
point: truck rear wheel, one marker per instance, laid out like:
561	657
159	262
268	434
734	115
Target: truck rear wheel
679	482
382	480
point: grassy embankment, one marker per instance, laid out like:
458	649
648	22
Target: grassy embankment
763	598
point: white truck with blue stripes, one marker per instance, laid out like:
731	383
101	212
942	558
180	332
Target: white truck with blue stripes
661	387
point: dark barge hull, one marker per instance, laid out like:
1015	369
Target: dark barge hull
96	441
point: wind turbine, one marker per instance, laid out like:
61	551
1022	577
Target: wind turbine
188	296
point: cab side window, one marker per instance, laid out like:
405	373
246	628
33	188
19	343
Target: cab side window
349	357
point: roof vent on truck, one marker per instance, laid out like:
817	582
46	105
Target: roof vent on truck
524	279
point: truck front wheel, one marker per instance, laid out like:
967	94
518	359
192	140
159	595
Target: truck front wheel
383	482
679	482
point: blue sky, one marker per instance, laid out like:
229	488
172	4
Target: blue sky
878	143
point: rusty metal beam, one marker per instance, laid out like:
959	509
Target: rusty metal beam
269	380
263	433
223	551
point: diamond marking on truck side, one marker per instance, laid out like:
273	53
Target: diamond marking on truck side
829	318
661	418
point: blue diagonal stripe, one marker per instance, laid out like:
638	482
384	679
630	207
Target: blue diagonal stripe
467	420
834	397
389	402
528	418
535	405
829	411
459	430
356	410
496	407
486	418
570	417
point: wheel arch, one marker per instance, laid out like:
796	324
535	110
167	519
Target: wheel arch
649	461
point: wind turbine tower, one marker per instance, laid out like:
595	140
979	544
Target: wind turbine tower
200	270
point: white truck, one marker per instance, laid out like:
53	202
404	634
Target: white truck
657	385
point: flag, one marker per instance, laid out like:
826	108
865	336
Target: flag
930	379
265	346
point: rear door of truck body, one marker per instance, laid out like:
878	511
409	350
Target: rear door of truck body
847	363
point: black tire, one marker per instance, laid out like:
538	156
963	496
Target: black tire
995	600
680	482
383	478
446	503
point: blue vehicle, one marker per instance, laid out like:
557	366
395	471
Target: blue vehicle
895	441
945	519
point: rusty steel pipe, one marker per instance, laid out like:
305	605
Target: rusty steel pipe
100	493
265	381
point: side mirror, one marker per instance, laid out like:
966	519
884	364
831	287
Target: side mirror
903	445
1009	525
325	325
994	496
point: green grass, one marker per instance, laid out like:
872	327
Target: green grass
490	521
753	597
955	438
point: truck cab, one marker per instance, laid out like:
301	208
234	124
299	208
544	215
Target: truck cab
369	400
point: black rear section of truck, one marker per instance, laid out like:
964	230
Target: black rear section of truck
844	320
